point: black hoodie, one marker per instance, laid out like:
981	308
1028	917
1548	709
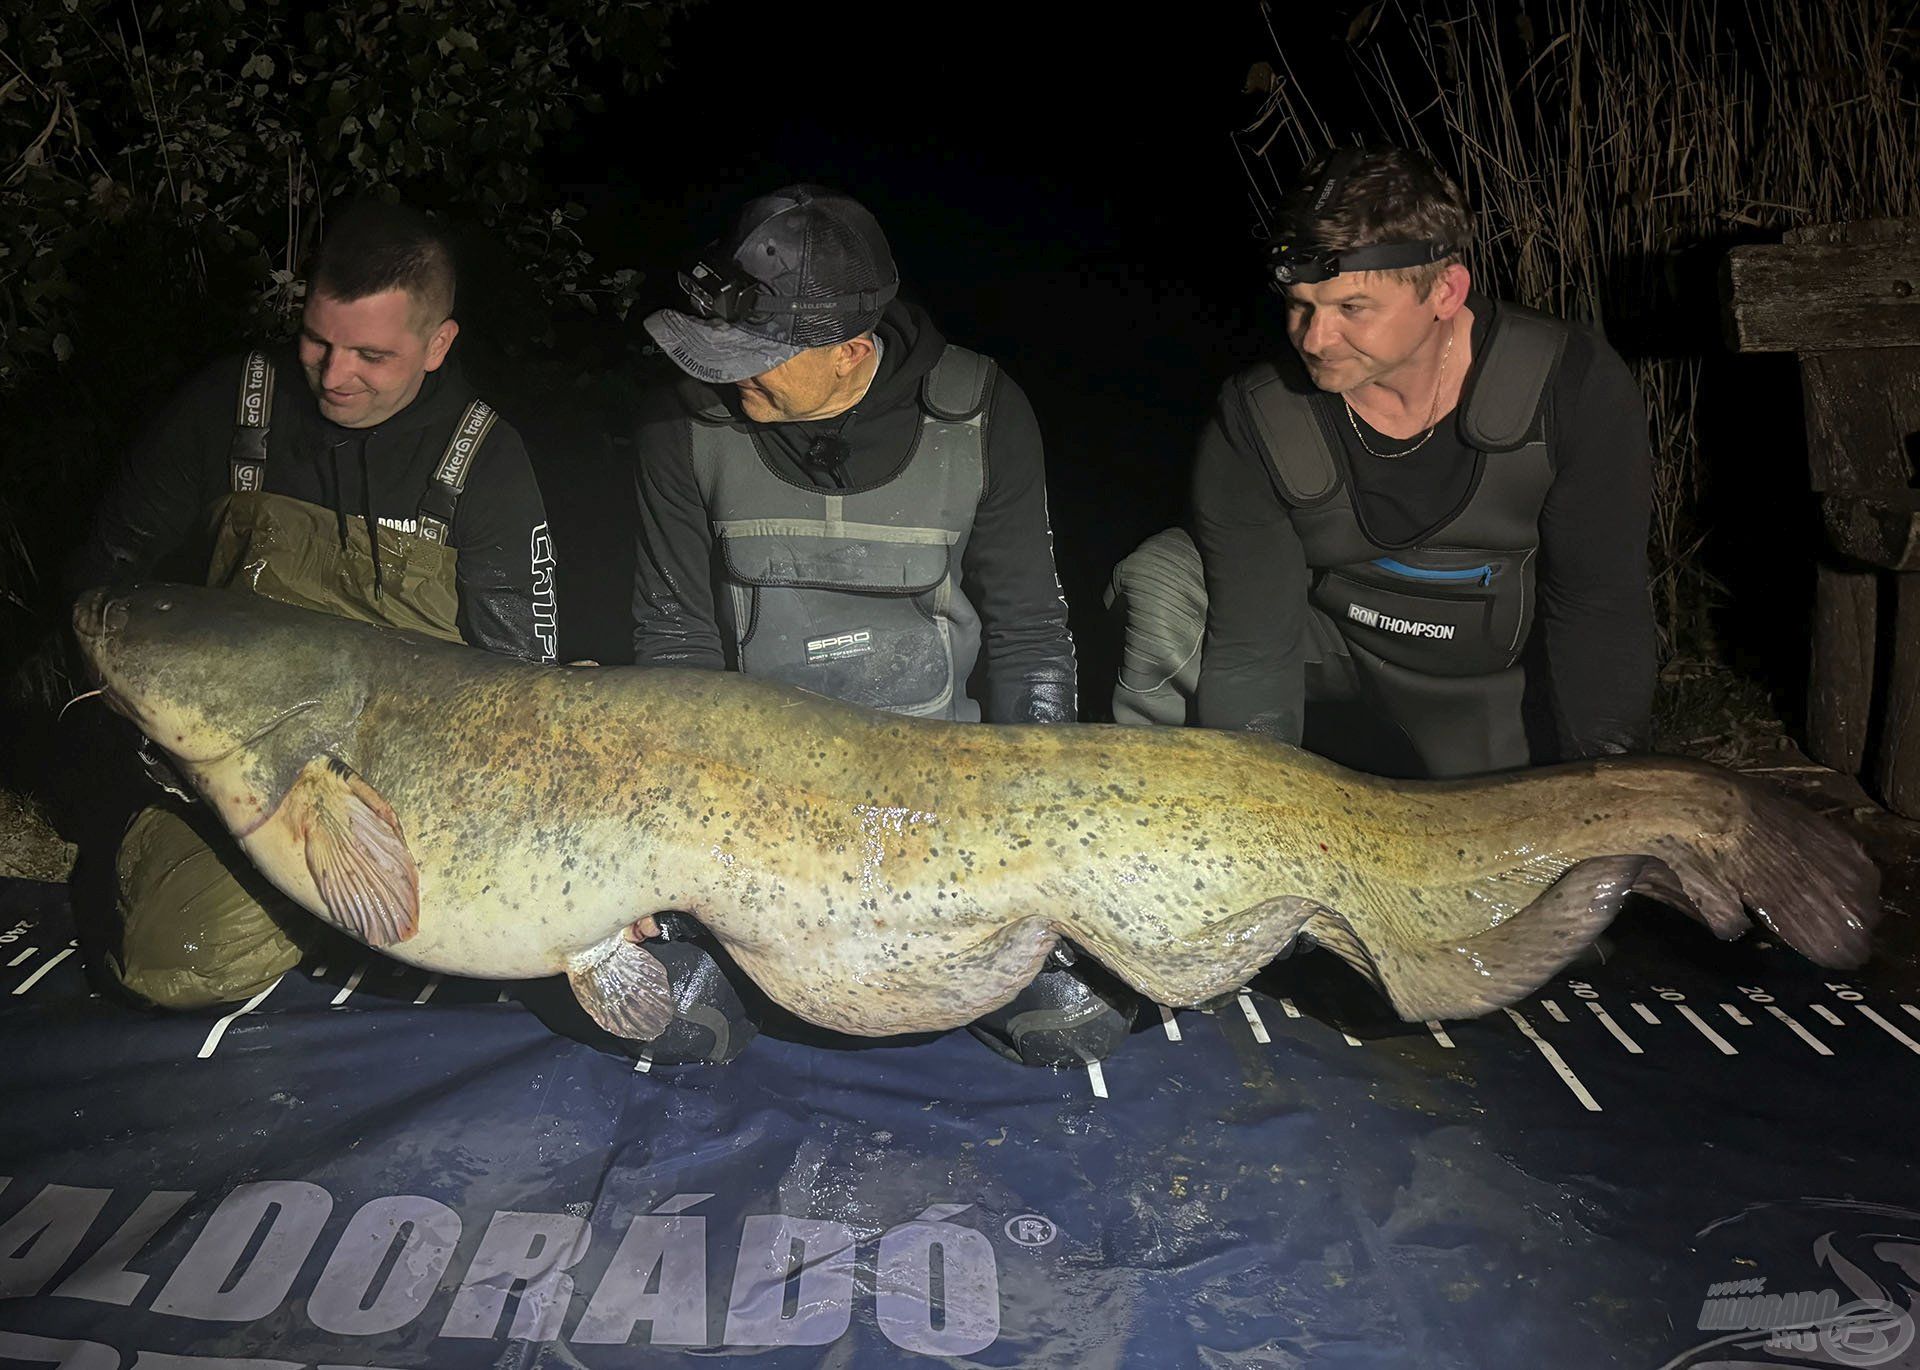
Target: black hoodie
1008	573
155	523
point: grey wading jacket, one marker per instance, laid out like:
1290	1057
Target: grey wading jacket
856	595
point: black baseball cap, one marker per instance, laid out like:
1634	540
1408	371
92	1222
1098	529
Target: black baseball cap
804	267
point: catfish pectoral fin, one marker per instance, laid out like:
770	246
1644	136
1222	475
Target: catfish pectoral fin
1464	977
624	986
357	854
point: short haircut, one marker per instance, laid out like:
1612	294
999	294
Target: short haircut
371	247
1392	195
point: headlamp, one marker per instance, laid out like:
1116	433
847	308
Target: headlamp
716	293
719	288
1291	263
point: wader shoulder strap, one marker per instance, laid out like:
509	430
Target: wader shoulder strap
1523	351
1294	442
450	476
253	417
958	385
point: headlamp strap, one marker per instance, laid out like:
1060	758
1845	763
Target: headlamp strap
1295	263
1339	166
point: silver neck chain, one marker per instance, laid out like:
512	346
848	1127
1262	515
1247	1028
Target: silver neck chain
1433	412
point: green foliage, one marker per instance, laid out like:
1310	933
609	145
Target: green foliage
219	130
165	169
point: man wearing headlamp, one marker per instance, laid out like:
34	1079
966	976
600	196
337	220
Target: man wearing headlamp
836	497
1423	531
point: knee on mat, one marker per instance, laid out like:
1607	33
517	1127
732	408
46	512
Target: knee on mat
197	926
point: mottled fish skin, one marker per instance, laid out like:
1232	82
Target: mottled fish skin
879	874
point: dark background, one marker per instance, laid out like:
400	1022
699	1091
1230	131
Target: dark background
1060	191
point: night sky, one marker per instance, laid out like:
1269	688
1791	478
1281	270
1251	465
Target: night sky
1060	191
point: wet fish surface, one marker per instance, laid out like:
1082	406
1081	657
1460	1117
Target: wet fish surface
477	815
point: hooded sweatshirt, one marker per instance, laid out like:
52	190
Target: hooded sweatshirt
1008	572
155	525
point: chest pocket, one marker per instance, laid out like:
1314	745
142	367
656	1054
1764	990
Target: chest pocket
1437	612
861	613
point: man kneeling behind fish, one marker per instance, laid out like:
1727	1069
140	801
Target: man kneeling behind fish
475	815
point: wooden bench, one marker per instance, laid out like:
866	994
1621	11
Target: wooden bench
1846	298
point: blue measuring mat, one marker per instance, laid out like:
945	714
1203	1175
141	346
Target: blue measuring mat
1690	1154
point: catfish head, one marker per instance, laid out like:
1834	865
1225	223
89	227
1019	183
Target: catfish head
240	693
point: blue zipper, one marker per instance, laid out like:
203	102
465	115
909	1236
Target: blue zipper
1482	574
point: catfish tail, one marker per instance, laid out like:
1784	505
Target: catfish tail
1710	842
1801	877
1578	841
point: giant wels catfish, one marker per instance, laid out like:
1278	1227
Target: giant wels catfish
478	815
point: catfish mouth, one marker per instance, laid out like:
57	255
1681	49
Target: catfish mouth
91	624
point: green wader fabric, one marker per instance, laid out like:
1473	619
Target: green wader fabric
289	550
198	925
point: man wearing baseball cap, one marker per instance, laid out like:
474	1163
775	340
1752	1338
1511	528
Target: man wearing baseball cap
836	497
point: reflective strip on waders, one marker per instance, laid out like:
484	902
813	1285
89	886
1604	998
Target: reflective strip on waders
253	417
450	476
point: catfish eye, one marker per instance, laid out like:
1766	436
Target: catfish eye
163	605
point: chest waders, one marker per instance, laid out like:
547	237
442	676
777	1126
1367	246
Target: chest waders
1429	635
856	595
198	924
